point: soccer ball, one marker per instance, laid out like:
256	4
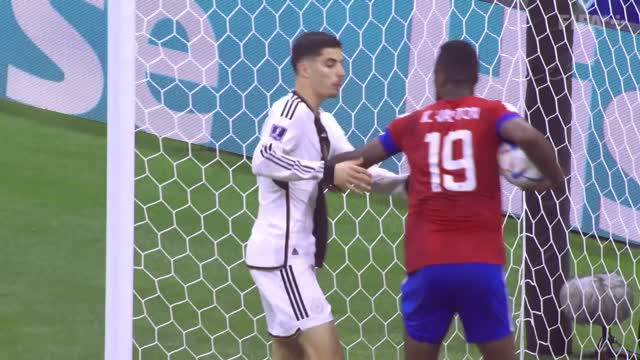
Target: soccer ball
516	167
601	299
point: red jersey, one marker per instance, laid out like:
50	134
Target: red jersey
455	212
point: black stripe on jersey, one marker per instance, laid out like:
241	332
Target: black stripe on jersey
292	103
297	290
265	154
293	110
286	336
288	160
264	267
286	109
282	184
287	218
295	293
287	105
289	164
285	162
289	294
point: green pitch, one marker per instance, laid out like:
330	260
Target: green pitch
193	293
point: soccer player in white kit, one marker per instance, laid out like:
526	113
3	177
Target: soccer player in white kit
289	237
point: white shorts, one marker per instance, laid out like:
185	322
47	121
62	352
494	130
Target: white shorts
292	299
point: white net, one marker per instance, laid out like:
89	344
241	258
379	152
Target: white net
207	72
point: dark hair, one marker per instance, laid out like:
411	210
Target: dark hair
311	44
458	62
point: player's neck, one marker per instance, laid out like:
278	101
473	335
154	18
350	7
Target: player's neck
455	93
308	96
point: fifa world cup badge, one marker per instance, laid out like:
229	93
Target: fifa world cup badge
277	132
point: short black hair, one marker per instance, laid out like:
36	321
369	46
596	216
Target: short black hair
311	44
458	62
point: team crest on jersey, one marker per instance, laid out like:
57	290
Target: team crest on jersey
277	132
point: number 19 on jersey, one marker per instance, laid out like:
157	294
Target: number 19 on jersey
445	160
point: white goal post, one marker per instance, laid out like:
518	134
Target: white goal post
121	82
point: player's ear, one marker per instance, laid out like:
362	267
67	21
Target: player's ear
304	70
439	79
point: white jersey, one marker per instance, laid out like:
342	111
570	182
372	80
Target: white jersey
288	164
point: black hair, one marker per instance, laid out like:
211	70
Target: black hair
311	44
458	62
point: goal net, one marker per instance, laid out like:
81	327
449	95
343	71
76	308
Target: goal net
206	74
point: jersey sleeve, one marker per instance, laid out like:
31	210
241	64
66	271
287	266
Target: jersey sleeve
272	157
392	139
384	182
504	112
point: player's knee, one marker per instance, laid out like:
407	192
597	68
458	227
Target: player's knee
319	353
323	350
286	349
416	350
501	349
321	343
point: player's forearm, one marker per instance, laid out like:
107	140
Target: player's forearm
271	163
543	156
387	183
346	156
371	153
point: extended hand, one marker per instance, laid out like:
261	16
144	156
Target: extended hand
545	186
349	175
539	187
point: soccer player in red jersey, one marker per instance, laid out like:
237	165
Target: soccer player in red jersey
454	252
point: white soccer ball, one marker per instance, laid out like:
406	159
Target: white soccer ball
516	167
601	299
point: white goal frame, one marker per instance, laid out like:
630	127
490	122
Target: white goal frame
121	81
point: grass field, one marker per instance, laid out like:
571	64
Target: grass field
194	298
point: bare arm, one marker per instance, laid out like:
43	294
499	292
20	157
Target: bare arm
371	153
383	182
537	148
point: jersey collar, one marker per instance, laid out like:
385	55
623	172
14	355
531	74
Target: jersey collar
295	93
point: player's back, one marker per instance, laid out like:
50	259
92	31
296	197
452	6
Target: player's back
454	199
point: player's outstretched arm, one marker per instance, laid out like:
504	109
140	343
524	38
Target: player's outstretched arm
371	153
380	149
272	158
271	162
536	147
383	182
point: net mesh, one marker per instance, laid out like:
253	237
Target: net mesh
206	75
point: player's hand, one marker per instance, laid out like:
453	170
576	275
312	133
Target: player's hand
350	175
539	186
545	185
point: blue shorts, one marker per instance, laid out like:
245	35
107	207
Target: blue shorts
476	292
